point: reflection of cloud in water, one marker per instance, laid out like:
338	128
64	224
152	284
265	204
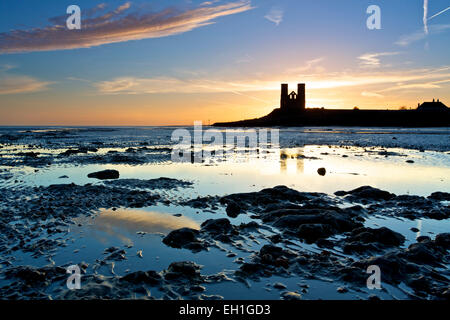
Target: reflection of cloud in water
122	221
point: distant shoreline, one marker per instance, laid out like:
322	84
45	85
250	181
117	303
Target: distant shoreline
348	118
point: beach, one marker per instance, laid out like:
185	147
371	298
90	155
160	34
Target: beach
302	219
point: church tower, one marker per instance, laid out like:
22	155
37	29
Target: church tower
293	101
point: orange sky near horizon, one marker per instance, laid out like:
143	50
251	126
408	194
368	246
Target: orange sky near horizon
181	109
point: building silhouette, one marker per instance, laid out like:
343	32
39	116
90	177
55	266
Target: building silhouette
432	106
293	101
293	112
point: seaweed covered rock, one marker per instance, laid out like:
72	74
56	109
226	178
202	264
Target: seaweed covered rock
219	229
184	270
368	193
443	240
362	239
186	238
314	231
143	277
105	174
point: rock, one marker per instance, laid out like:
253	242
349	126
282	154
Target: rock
117	255
342	290
197	288
271	250
211	297
314	231
368	239
441	196
381	235
251	269
36	276
279	285
250	225
70	152
423	239
159	183
275	256
419	284
321	171
422	252
394	268
414	229
333	222
184	238
268	196
290	295
217	226
233	209
93	290
183	270
367	192
105	174
324	243
443	240
140	277
111	249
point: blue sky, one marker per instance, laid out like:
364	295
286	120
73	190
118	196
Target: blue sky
222	61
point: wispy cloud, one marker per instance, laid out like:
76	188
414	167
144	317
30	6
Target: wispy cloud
371	94
6	67
399	79
313	65
12	84
116	26
421	35
372	60
275	15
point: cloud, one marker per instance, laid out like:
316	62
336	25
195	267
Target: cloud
425	16
393	80
6	67
372	60
406	40
311	65
134	85
371	94
10	84
275	15
438	14
116	26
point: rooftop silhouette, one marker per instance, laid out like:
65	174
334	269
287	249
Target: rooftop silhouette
432	106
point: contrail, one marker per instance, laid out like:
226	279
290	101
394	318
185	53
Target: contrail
441	12
425	15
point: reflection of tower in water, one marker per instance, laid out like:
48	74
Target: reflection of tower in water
291	161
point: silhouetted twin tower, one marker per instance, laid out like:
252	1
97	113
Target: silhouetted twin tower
293	101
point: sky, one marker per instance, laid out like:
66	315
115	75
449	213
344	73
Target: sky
173	62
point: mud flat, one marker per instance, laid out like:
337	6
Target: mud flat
281	220
139	226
